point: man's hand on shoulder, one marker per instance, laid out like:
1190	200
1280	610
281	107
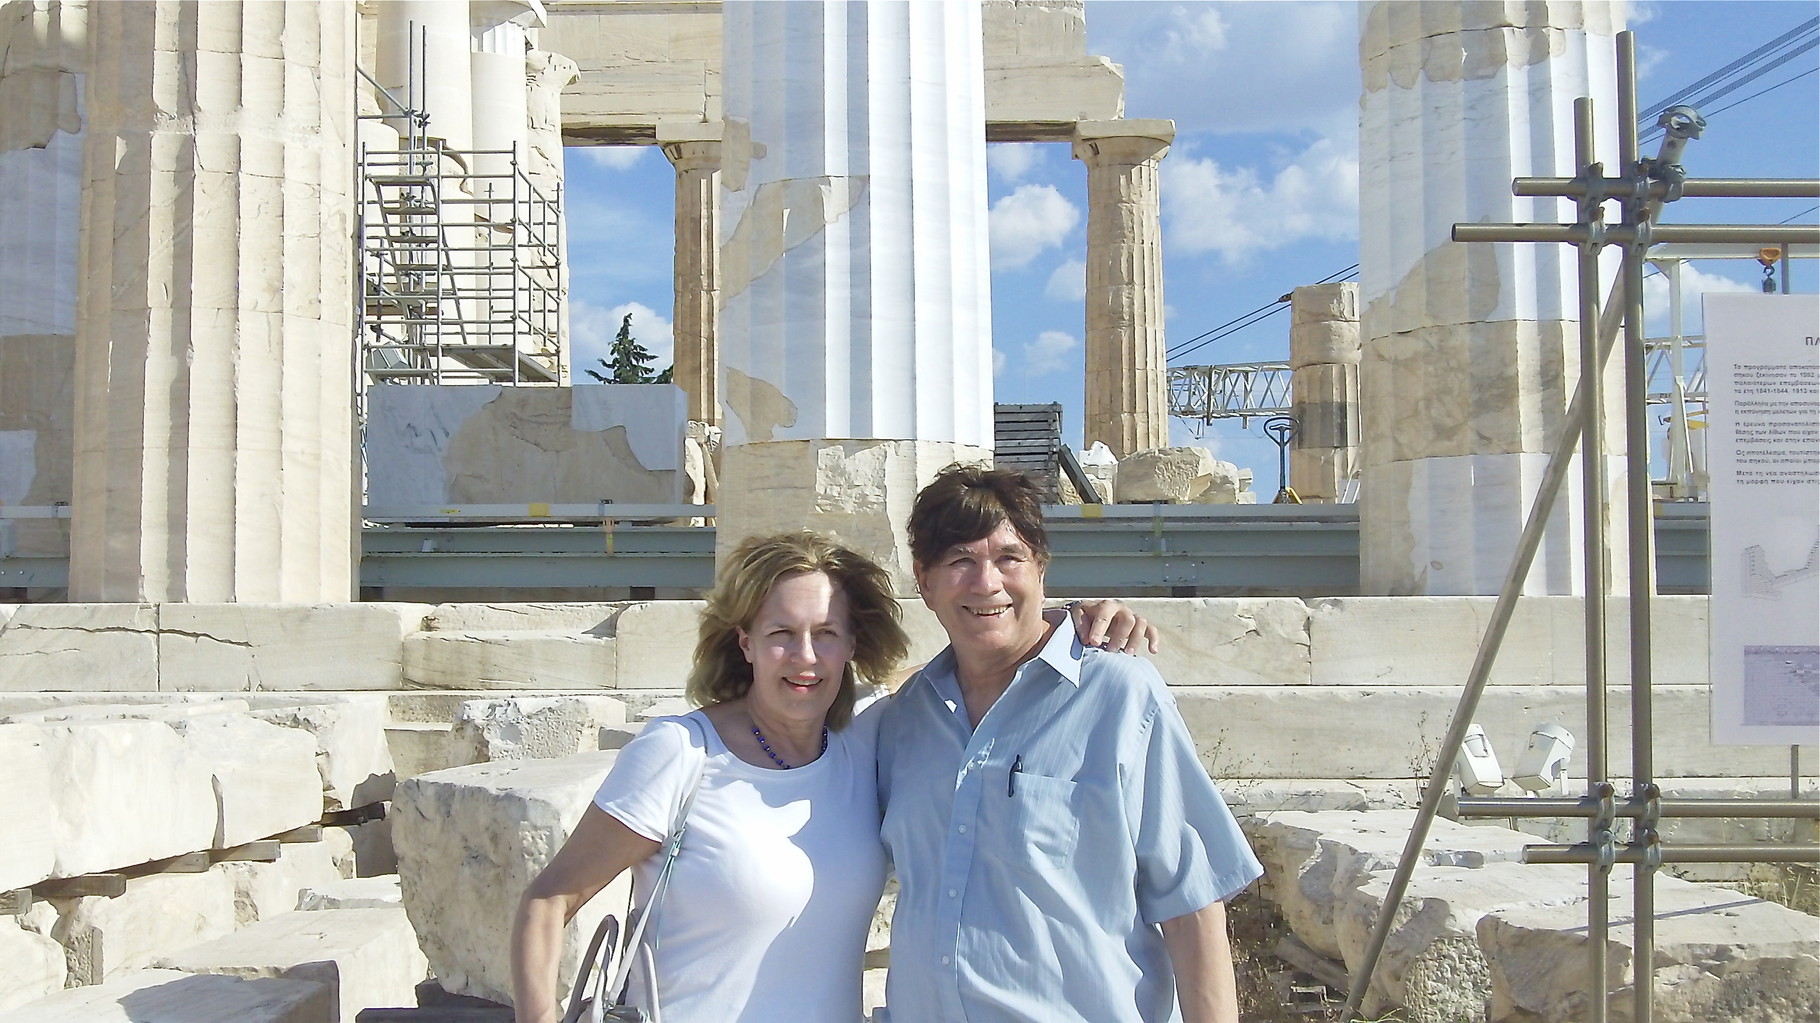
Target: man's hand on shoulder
1110	625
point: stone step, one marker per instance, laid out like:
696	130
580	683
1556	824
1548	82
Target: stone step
171	996
365	956
417	747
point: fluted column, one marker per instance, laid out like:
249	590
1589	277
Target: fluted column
855	329
697	313
1127	376
214	369
548	75
43	60
1324	389
1470	351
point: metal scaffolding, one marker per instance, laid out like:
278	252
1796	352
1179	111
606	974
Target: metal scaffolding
1640	190
1241	391
459	261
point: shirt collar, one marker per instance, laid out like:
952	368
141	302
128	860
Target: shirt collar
1062	652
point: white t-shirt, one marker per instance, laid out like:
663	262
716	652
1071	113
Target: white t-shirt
779	874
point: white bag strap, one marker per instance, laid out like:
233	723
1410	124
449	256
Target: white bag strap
654	905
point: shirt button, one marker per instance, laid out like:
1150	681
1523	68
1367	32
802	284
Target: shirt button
963	829
946	960
952	893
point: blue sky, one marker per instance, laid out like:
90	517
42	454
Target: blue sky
1259	190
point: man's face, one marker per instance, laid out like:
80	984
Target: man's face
988	594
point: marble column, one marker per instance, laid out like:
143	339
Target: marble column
44	44
1324	389
548	75
1470	352
423	58
694	150
855	328
215	363
1127	376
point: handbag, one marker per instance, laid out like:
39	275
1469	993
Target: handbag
611	963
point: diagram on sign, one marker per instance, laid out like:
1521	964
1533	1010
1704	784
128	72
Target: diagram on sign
1763	582
1782	685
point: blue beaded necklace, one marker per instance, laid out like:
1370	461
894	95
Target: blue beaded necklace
779	761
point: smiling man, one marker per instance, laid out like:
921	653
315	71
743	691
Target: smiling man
1062	854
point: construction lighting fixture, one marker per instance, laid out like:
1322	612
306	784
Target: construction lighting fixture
1545	758
1477	766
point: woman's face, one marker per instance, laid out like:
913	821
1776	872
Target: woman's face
799	644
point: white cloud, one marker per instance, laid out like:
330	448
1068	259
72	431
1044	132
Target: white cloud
1029	220
1694	283
1235	67
1068	283
998	362
613	157
1051	351
591	331
1238	213
1013	160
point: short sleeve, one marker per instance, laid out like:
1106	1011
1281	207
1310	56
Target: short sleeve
649	779
1190	851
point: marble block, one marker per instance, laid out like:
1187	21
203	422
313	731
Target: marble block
351	752
1228	641
352	893
1313	861
1431	967
578	616
1166	475
1368	640
266	890
126	792
368	957
1718	955
171	996
284	647
519	659
526	727
105	938
31	965
469	841
79	647
264	776
30	853
654	643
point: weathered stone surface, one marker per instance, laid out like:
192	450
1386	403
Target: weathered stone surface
352	893
282	647
1166	475
1370	639
106	938
125	792
1229	641
469	841
1331	732
1718	955
31	965
77	647
527	727
30	853
264	776
1313	860
351	752
857	491
170	996
368	957
581	616
654	642
509	660
417	747
1431	969
265	890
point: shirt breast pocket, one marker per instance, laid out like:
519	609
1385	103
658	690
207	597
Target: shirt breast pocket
1045	815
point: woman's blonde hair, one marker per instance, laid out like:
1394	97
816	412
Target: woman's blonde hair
721	672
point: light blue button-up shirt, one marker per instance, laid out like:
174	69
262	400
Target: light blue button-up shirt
1038	854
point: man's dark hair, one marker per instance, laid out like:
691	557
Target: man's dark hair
965	503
